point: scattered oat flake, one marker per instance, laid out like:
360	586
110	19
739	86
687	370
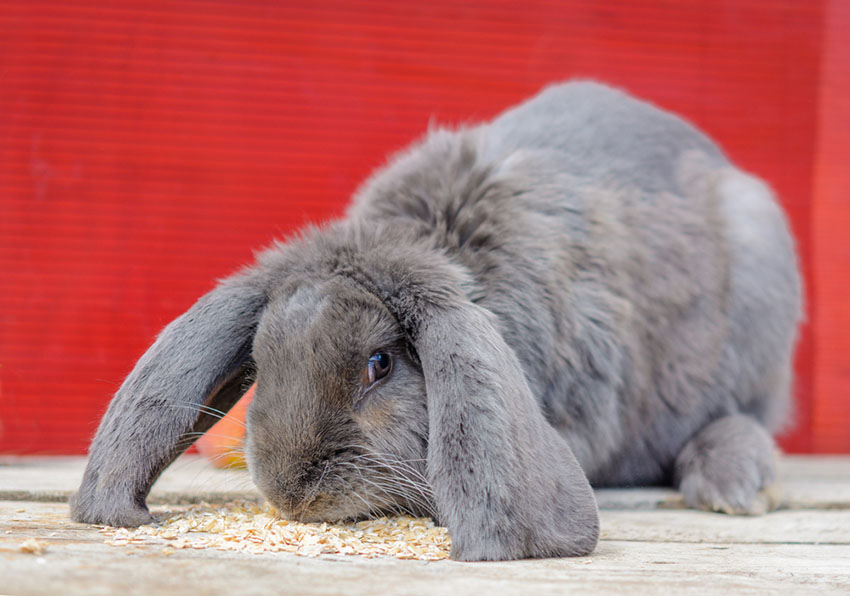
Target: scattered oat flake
33	547
248	527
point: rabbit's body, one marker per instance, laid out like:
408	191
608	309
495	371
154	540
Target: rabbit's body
585	267
646	286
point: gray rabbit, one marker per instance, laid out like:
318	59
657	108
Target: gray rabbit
582	292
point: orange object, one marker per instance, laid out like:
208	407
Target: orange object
223	444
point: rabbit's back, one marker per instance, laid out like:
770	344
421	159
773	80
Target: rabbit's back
603	133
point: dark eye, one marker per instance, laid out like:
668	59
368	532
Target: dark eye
380	364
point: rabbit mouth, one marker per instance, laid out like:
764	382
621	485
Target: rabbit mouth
344	497
332	498
317	509
347	506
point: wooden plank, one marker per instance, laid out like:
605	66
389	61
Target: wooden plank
779	527
190	479
78	562
647	546
808	482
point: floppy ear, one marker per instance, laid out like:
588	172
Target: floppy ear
200	359
505	482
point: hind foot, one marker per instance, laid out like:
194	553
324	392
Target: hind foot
729	466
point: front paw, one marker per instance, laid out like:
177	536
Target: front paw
108	509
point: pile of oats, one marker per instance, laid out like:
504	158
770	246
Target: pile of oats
249	527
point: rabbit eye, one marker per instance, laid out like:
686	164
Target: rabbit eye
380	364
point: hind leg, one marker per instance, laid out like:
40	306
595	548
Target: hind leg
729	466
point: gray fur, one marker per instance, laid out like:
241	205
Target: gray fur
725	464
583	290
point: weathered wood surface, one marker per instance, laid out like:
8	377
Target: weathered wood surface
649	545
808	482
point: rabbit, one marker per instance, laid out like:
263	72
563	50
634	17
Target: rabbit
583	292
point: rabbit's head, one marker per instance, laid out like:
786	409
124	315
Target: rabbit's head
339	424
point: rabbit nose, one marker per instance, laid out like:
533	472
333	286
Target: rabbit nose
295	490
290	500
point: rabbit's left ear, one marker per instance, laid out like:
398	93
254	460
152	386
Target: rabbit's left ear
505	482
197	367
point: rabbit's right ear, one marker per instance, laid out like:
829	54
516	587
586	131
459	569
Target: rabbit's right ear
505	482
198	364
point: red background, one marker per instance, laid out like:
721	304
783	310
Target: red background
147	148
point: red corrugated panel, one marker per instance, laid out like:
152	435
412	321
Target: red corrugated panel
147	147
831	252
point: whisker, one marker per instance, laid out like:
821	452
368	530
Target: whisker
391	464
369	507
390	486
198	433
418	481
205	409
